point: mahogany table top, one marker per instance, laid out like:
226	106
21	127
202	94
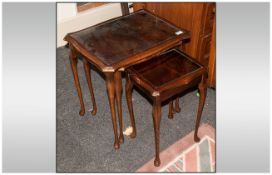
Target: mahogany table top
112	43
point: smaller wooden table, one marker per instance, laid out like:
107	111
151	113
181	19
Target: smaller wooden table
162	78
113	45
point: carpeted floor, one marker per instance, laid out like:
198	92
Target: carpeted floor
185	155
85	144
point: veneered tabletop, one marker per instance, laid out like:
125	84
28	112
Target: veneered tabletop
169	67
116	44
125	40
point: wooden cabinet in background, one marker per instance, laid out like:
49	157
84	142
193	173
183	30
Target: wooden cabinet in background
199	18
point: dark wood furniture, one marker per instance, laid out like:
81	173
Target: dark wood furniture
116	44
199	19
162	78
124	8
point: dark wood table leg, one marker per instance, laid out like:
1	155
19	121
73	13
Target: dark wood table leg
73	62
177	108
171	112
111	95
202	92
89	81
156	123
118	91
129	87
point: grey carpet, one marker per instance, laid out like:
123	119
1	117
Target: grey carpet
85	144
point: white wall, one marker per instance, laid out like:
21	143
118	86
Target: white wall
66	10
69	20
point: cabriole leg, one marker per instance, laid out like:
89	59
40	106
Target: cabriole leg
73	62
156	123
202	92
89	81
111	95
129	87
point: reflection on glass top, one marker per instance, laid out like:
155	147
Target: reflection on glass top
118	39
165	68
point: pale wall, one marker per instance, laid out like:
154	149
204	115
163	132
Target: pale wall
66	11
69	20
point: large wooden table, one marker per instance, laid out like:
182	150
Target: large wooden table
114	45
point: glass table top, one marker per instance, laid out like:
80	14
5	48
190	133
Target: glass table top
117	39
165	68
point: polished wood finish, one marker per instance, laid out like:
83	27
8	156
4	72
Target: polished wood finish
162	78
122	41
177	108
73	62
211	66
173	109
118	43
89	81
202	87
156	122
124	8
129	87
118	92
111	95
171	112
199	18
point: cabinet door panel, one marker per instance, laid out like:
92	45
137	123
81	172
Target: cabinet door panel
208	18
211	69
178	13
204	49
